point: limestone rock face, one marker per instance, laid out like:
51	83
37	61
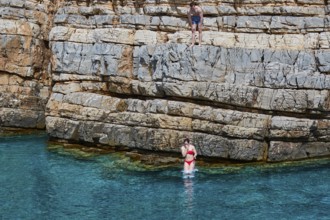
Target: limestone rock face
122	74
24	63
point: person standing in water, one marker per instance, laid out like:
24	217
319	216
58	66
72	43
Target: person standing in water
195	17
189	153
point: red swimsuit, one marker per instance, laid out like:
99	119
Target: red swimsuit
190	161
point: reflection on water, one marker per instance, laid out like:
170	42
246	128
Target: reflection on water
40	184
189	194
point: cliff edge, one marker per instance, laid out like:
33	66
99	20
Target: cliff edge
121	73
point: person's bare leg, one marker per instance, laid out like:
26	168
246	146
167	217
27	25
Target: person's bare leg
186	168
191	167
200	34
193	30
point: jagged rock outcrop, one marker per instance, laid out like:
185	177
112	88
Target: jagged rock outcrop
25	77
123	75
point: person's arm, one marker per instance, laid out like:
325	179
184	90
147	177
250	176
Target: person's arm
183	151
195	155
201	15
189	17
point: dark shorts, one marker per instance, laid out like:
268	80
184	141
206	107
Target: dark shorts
195	19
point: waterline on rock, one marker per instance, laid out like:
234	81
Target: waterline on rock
121	160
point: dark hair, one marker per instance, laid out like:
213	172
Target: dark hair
193	3
186	140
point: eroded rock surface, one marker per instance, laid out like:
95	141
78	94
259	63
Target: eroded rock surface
25	76
122	74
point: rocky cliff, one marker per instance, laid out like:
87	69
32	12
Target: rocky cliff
25	77
120	73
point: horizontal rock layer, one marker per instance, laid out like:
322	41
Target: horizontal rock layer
25	77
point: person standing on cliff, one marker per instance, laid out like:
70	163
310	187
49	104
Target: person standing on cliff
189	153
195	18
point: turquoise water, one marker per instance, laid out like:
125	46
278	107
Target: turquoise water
36	183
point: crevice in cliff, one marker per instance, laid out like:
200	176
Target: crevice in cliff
23	78
291	140
46	44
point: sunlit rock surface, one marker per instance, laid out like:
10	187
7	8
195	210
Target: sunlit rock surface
121	73
25	76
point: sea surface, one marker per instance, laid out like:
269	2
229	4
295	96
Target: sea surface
37	182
